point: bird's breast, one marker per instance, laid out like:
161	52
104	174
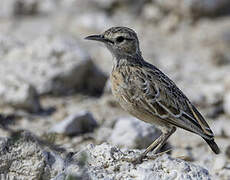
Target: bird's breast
117	83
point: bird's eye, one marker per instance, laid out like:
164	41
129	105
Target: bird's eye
120	39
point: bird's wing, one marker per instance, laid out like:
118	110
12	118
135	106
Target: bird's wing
164	99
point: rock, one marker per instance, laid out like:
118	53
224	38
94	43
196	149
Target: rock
107	89
103	134
152	13
57	66
134	6
221	127
133	133
105	4
88	21
213	93
195	8
223	174
8	43
25	7
79	123
18	94
104	162
219	162
227	103
227	82
23	156
17	8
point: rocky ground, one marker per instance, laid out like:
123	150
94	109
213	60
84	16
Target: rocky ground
58	118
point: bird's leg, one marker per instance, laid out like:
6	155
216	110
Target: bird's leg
161	143
164	139
155	146
138	160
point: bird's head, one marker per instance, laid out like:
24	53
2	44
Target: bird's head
121	41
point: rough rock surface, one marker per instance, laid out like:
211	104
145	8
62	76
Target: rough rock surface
196	8
227	104
18	94
75	124
133	133
24	156
42	49
56	65
104	162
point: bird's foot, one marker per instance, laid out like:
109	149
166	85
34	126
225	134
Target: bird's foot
143	157
134	160
154	156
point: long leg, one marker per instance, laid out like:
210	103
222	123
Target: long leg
158	143
155	146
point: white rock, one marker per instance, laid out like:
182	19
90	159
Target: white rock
227	103
104	163
194	8
107	88
19	94
219	162
54	65
133	133
213	93
10	8
152	13
79	123
221	127
24	156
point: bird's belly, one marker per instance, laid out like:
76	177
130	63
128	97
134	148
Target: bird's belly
132	105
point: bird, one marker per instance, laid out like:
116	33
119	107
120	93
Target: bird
147	93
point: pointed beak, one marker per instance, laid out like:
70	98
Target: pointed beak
96	38
99	38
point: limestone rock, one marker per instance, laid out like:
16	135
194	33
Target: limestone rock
104	163
227	104
195	8
133	133
18	94
54	65
75	124
24	157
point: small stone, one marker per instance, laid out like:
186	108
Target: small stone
107	89
19	94
26	7
75	124
133	133
221	127
152	13
195	8
227	104
219	162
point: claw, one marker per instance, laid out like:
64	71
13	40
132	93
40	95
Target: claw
142	157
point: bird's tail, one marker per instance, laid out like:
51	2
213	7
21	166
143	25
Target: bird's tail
213	145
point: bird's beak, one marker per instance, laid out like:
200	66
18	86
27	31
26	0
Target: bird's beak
99	38
96	38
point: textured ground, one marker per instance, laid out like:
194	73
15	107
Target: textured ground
50	75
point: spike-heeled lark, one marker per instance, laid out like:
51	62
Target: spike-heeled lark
147	93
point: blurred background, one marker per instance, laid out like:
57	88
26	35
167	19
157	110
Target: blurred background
52	81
